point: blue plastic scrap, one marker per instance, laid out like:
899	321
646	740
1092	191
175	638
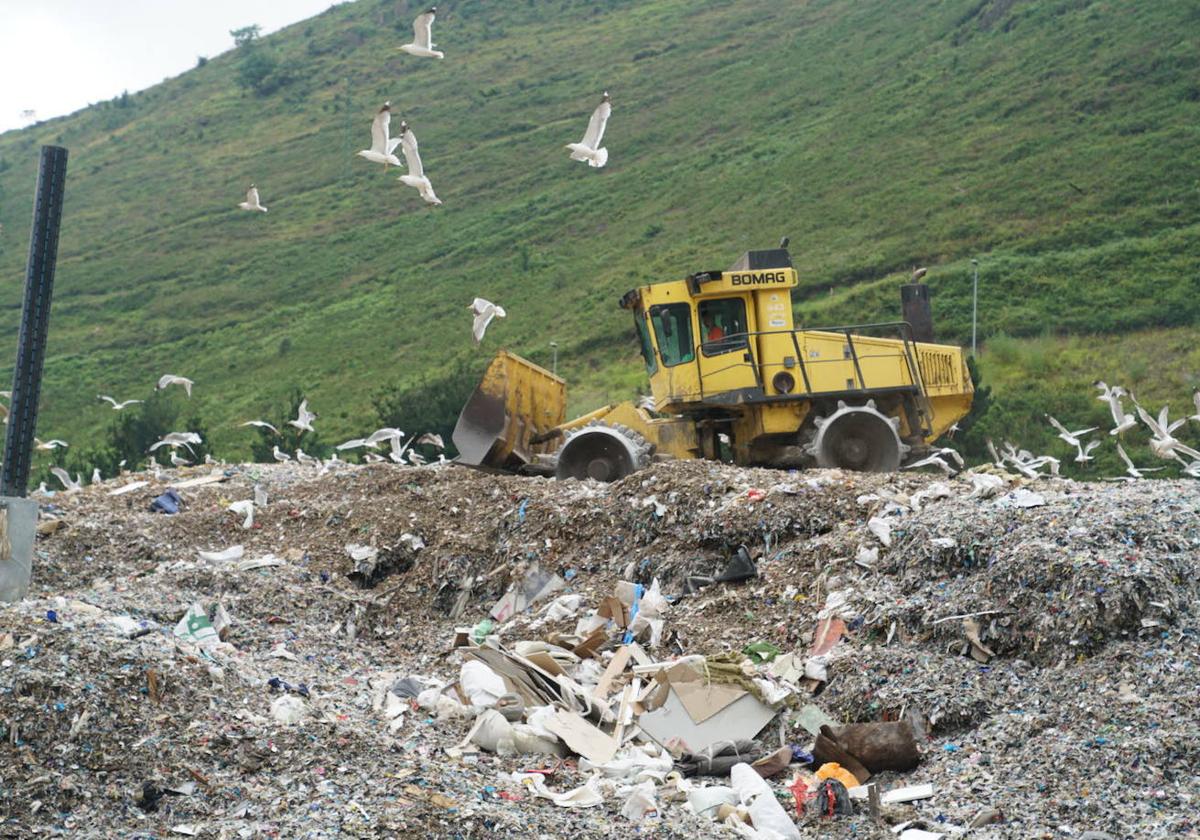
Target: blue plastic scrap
168	503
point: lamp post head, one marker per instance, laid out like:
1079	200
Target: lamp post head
974	262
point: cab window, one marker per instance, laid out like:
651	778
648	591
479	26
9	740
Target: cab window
643	331
673	330
722	325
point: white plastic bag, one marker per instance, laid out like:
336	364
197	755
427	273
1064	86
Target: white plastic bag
640	800
481	684
766	813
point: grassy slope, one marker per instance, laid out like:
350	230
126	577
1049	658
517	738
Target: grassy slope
1054	138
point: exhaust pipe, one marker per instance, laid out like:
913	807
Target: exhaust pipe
914	301
18	515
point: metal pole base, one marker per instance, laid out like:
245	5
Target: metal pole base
18	530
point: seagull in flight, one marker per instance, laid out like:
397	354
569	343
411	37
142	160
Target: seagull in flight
1112	396
355	443
484	311
262	424
589	147
1130	469
382	146
177	439
422	44
416	172
51	444
431	439
71	486
1085	452
380	435
168	379
117	406
252	202
304	418
1071	438
1163	443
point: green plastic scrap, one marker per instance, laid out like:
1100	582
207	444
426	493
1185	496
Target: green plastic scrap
761	652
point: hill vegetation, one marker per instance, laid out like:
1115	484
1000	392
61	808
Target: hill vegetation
1054	140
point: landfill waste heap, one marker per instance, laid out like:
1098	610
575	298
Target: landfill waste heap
695	650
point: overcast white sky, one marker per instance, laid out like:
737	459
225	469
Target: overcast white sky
56	56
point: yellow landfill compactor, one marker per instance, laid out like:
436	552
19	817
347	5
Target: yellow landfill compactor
731	379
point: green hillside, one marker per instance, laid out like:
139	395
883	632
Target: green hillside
1055	140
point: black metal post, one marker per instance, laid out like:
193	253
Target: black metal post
35	320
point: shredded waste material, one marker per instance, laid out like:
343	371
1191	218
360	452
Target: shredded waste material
393	651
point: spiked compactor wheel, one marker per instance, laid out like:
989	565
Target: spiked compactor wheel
858	437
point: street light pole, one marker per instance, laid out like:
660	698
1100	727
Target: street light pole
974	305
554	364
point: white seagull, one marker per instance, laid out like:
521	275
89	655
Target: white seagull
50	444
306	459
1196	401
304	418
355	443
65	477
1071	438
422	44
1130	469
1163	443
431	439
382	146
179	462
589	147
416	172
117	406
169	379
262	424
932	461
252	202
380	435
484	311
281	457
177	439
1112	396
1085	452
96	479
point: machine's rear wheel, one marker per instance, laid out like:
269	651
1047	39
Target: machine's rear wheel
603	453
858	438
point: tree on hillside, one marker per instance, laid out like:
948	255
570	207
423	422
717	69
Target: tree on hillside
290	438
431	405
258	69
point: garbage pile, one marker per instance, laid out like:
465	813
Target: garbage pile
697	650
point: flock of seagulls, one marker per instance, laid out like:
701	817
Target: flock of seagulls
589	149
1163	443
383	150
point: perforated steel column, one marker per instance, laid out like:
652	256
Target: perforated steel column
35	320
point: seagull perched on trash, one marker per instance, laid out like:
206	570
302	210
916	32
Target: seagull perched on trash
252	202
422	43
117	406
1112	396
262	424
71	486
304	418
169	379
1192	469
306	459
932	461
484	311
176	461
1163	443
416	171
281	457
1071	438
382	146
96	478
589	147
50	444
1130	469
